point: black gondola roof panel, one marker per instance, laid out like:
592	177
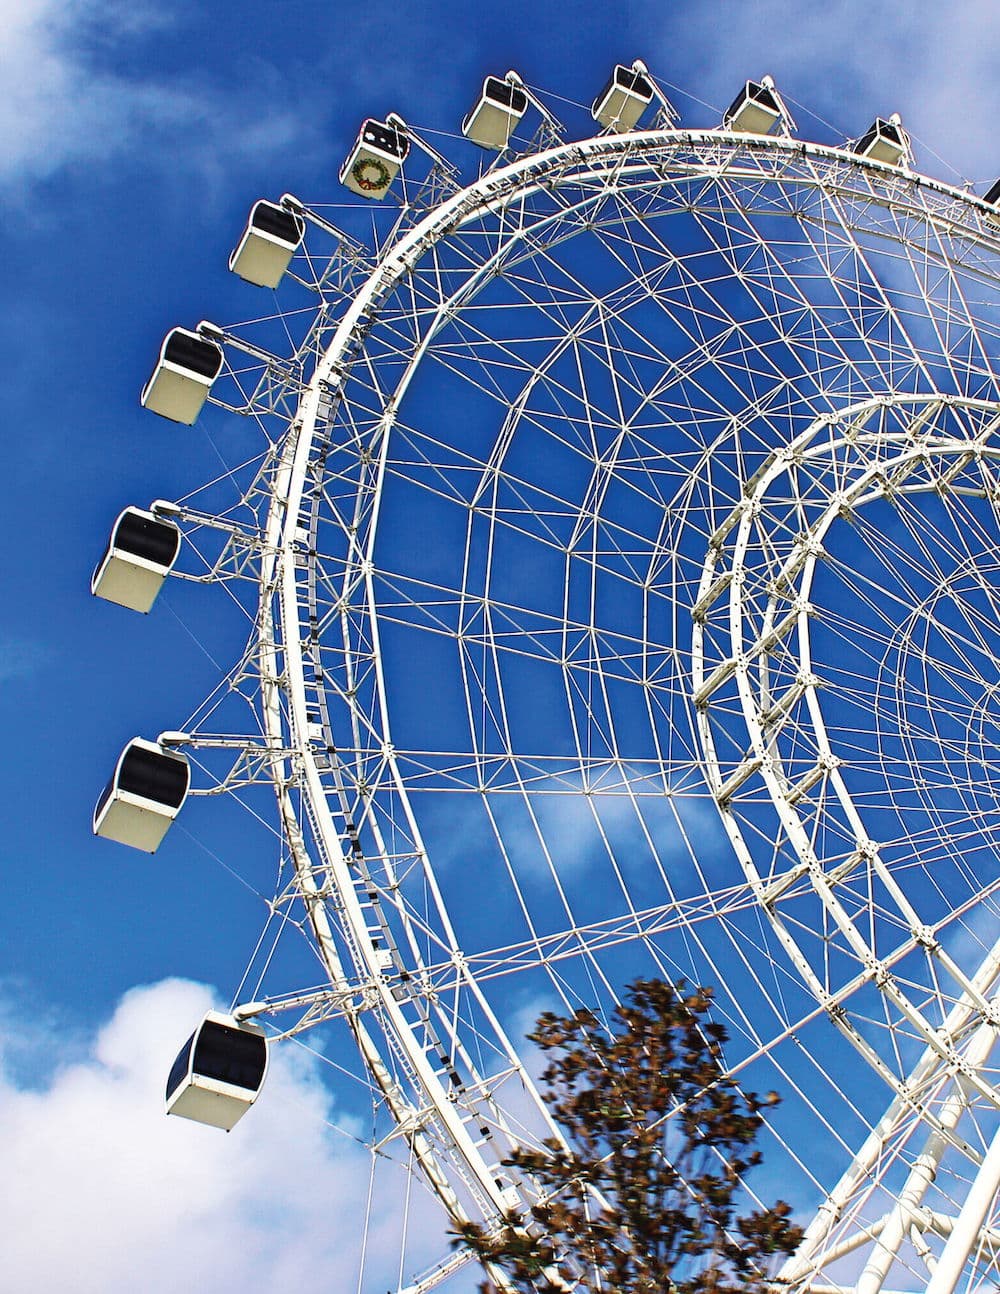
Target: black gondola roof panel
387	139
153	775
147	537
276	221
195	354
505	93
228	1054
626	78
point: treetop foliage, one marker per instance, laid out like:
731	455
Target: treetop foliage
645	1192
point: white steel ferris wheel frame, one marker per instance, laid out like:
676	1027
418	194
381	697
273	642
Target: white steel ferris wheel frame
403	1010
872	463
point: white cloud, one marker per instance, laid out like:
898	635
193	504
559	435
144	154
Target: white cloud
847	61
102	1194
61	103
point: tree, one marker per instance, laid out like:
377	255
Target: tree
647	1198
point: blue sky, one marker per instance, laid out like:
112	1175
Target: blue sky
133	138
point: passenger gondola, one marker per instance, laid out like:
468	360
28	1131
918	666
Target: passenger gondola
144	796
183	377
218	1072
623	100
755	110
271	238
373	163
140	554
494	117
885	141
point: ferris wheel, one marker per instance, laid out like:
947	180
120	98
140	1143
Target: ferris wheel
622	565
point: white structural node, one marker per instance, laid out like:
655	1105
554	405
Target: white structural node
623	569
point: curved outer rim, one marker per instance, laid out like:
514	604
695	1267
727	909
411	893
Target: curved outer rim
491	192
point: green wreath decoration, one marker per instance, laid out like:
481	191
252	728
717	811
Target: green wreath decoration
370	173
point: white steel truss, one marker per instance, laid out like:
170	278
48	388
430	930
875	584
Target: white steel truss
662	469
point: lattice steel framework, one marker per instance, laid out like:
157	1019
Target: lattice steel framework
627	552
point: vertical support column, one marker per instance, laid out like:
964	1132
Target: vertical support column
965	1233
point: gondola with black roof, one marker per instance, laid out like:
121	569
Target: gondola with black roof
140	554
145	794
188	365
756	110
624	99
218	1072
272	237
373	163
495	115
885	140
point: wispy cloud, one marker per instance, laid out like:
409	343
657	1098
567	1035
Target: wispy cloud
934	64
64	101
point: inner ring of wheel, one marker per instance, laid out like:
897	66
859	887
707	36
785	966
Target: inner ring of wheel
855	462
968	758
